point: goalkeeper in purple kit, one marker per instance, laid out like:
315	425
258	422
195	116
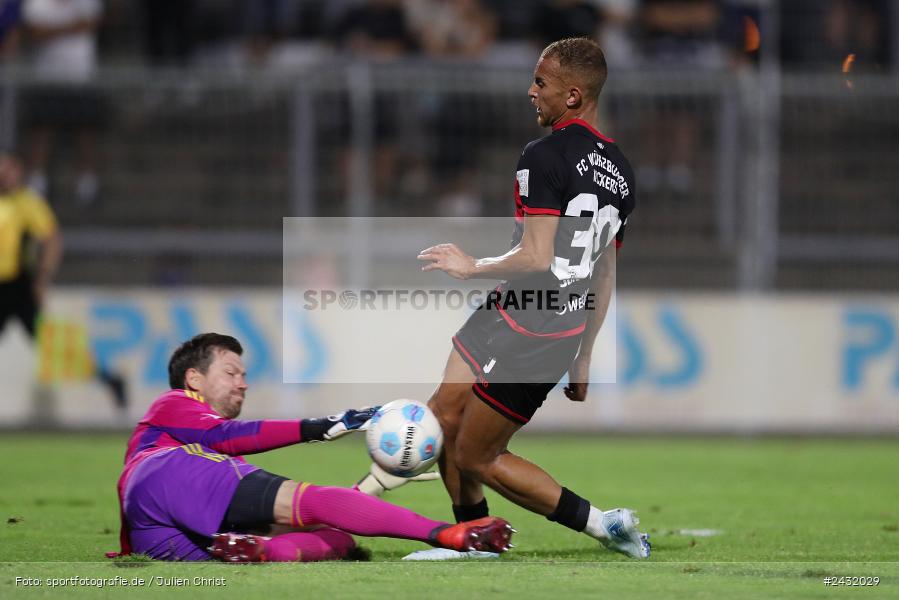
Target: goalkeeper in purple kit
187	493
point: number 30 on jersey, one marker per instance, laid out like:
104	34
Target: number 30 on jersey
586	245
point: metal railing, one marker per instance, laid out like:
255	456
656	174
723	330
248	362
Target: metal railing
745	180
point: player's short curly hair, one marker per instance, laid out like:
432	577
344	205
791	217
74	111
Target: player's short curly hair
583	59
198	353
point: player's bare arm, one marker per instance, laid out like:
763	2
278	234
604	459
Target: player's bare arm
601	284
533	255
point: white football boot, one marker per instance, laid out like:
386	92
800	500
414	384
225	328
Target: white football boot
621	526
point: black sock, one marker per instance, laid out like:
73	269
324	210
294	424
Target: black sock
572	511
470	512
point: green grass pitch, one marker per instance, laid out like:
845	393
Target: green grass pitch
789	512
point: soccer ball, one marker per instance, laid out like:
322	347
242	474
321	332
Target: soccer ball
404	438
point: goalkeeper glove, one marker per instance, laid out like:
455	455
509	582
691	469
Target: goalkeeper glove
378	481
331	428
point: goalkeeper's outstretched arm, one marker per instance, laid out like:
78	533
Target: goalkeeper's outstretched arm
191	423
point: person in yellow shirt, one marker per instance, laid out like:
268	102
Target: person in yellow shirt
27	224
25	218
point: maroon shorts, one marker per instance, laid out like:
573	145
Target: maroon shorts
514	373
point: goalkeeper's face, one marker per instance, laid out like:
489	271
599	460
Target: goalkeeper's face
224	385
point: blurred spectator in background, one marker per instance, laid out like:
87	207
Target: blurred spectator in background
453	30
516	36
856	27
675	35
821	33
558	19
169	29
270	26
265	23
62	37
615	32
233	34
285	34
10	19
214	34
681	33
30	253
377	30
515	18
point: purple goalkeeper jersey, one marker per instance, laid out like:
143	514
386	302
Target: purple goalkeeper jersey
183	418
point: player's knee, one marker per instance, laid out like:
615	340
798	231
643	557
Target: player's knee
449	423
448	412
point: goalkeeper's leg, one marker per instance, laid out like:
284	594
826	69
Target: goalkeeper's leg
300	546
302	504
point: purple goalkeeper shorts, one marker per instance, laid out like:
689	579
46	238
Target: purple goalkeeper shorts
176	500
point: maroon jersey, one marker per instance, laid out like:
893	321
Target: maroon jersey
581	176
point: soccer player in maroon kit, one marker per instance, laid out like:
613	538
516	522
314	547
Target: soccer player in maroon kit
186	492
574	190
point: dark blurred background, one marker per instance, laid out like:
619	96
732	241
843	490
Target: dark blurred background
169	133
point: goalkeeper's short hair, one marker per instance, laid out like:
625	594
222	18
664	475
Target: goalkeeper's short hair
198	353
